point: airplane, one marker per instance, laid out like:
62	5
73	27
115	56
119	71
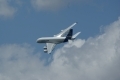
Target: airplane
65	35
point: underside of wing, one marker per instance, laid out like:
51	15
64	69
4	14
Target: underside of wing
50	47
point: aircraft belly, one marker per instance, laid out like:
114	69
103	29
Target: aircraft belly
56	40
43	41
51	40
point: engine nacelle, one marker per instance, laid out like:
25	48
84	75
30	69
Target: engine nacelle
61	30
45	50
45	47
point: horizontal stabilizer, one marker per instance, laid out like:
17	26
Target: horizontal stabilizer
75	35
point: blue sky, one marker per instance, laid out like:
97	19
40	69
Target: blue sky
23	21
27	23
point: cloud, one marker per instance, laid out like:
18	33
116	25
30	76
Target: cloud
5	9
97	58
50	4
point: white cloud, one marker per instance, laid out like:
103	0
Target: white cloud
50	4
94	59
5	9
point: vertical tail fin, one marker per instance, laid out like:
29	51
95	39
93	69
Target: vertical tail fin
69	35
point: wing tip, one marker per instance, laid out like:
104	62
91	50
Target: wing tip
76	22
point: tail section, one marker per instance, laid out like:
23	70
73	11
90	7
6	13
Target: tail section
69	35
75	35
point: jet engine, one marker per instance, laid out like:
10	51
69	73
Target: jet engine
45	49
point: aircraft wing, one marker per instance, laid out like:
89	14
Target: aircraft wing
65	31
50	47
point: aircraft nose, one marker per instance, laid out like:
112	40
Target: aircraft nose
37	40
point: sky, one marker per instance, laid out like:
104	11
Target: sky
94	55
